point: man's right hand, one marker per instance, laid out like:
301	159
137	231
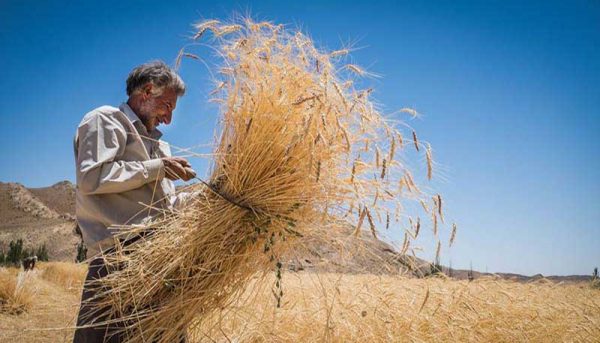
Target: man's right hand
178	168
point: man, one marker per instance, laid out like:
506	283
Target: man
124	172
29	262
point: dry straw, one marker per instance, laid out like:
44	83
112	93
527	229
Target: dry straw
287	165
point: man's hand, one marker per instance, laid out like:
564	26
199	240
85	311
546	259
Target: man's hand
178	168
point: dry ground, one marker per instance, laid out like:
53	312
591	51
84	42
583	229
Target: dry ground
52	292
342	308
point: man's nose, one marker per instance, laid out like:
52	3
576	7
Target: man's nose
169	117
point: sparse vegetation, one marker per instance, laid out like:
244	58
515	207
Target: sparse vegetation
470	275
81	252
595	280
41	253
17	253
435	267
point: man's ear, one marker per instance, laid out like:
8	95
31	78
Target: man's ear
147	90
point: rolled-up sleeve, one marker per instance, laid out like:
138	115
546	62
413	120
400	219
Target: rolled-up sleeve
100	142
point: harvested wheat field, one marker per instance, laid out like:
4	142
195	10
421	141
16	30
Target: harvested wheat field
328	307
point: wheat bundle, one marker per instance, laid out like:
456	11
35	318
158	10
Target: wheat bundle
301	153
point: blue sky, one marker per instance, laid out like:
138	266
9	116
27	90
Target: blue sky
509	92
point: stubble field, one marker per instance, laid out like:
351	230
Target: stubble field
320	307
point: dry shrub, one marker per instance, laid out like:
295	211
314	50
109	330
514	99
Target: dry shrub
67	275
16	291
301	153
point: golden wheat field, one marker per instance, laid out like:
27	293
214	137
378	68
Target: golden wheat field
319	307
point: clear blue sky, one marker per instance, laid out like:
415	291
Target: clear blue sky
510	92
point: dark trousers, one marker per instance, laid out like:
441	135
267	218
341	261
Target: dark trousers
98	333
94	334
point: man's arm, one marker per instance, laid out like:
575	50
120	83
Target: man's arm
100	140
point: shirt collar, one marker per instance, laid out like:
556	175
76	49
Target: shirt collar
135	120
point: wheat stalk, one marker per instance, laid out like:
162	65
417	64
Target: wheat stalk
282	172
415	140
453	234
429	162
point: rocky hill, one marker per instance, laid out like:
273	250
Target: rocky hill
59	198
39	216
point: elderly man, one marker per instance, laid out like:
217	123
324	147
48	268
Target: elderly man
124	172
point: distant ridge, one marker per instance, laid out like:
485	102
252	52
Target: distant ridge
47	215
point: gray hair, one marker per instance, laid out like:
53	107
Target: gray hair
157	73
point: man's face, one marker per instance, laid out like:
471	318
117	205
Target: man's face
156	110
